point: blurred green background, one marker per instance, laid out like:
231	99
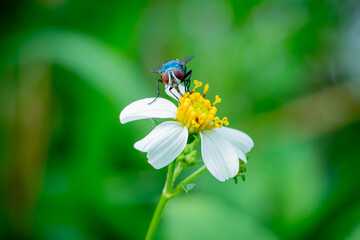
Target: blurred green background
288	74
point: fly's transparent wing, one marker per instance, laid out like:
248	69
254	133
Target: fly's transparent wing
184	61
157	70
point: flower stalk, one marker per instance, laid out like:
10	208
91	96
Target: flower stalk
156	217
169	193
165	197
169	179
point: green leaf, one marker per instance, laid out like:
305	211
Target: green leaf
188	187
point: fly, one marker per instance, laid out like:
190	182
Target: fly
173	74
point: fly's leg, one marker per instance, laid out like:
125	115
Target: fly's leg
177	89
187	80
158	91
171	88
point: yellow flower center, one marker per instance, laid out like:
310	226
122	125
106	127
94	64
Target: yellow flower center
197	113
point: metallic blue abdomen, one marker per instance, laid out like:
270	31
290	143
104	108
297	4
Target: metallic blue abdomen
171	65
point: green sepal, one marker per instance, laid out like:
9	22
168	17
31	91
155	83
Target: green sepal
192	138
197	137
188	187
235	180
242	177
241	173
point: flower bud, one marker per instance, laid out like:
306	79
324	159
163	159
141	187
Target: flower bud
188	156
242	170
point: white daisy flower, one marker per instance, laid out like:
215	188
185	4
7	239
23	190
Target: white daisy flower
221	147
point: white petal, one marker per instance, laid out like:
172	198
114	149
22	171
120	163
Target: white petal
218	155
175	92
164	143
141	109
240	141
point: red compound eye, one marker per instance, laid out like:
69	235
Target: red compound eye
165	78
178	74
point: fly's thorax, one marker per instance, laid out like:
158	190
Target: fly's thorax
170	65
197	113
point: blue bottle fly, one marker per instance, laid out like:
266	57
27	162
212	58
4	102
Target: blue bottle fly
173	74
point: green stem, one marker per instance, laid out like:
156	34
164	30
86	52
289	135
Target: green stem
168	194
194	175
157	216
177	171
165	197
188	180
169	179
